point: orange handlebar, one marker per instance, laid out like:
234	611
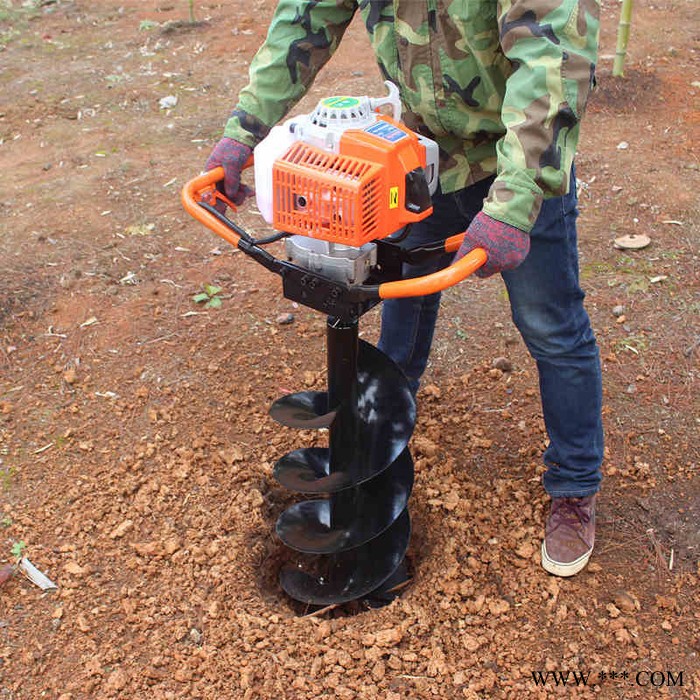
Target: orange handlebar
205	185
196	189
437	281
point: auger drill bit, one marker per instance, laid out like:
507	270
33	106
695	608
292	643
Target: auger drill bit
355	538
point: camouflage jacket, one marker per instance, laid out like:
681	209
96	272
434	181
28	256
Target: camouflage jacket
501	85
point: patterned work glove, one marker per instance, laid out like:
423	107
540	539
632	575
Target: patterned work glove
232	156
505	245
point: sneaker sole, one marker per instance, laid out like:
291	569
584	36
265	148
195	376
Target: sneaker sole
560	569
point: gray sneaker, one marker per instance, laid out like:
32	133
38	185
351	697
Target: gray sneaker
569	535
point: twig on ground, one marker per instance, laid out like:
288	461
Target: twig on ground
321	611
661	563
400	586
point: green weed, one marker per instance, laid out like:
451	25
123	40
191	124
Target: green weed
7	475
209	297
17	549
639	284
633	343
595	269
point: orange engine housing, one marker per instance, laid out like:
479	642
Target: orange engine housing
364	192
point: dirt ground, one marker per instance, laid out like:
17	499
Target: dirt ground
135	445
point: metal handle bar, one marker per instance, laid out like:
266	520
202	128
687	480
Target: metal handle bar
205	184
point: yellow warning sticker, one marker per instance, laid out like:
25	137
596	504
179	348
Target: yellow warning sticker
394	198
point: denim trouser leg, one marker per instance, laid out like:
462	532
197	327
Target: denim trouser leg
547	307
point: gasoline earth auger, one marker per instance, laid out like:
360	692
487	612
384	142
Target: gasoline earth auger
343	185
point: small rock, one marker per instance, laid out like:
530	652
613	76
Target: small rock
503	363
171	545
470	642
196	636
167	102
432	390
70	376
116	680
231	454
623	146
498	607
147	549
121	529
73	568
82	623
626	602
284	319
388	637
618	310
425	446
562	613
665	602
613	610
525	550
623	636
378	671
324	630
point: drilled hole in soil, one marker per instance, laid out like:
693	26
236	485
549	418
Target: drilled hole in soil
277	555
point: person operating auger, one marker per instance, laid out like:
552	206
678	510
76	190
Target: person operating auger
501	86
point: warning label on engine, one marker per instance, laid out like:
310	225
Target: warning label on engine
394	198
386	131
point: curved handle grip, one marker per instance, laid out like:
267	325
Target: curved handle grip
437	281
204	186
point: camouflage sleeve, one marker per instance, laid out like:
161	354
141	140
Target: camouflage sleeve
552	46
301	38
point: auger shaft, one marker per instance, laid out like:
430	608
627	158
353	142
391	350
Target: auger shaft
342	351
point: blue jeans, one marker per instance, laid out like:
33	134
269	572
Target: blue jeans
547	308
